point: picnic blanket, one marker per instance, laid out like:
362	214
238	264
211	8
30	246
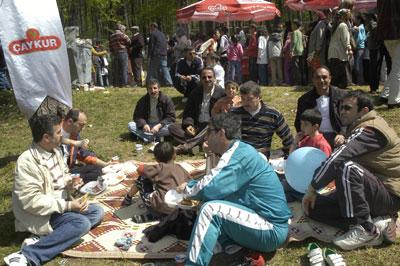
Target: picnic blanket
99	242
117	223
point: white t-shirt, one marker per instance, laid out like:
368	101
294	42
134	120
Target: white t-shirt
65	135
262	50
323	108
219	75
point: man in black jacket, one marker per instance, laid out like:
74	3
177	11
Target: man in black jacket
153	114
325	98
188	72
157	55
197	112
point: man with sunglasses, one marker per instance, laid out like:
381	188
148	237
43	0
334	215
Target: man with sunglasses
197	113
366	170
243	200
188	72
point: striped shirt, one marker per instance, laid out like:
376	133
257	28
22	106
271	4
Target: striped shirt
258	130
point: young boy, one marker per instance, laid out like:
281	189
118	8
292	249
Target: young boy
154	181
231	99
309	136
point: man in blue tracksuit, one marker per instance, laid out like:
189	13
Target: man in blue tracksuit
244	202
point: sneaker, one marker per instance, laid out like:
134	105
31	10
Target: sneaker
16	259
386	225
30	241
357	237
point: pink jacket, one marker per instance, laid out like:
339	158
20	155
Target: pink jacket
235	52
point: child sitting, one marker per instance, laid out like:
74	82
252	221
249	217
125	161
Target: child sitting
231	99
309	136
154	181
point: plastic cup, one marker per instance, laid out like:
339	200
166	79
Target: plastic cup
180	259
139	149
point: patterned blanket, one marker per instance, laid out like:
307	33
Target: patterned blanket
117	223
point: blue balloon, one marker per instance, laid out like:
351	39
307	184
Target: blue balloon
300	167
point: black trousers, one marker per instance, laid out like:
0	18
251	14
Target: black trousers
359	196
339	70
181	137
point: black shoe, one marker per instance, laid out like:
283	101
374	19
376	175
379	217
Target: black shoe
391	106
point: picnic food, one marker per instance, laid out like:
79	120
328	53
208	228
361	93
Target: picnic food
188	202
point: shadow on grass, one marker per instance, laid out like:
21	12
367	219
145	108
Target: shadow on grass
5	160
127	137
9	236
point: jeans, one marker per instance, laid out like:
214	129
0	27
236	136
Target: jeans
235	71
263	74
359	66
120	69
4	83
68	228
157	63
148	137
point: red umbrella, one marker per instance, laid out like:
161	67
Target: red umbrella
227	10
359	5
364	5
300	5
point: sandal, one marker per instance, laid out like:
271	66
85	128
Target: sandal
315	255
333	258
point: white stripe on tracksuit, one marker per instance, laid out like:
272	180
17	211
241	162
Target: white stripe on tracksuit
348	167
227	212
334	155
223	161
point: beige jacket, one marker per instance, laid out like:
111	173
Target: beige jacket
33	199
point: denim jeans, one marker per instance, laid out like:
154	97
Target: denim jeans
235	71
157	64
148	137
68	228
359	66
120	69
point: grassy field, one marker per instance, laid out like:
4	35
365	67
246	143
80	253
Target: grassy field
108	115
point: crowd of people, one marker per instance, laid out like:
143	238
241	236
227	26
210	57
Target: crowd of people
244	202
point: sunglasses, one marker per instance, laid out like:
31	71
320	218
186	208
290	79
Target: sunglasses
346	107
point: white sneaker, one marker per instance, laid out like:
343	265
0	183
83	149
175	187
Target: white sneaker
357	237
16	259
386	225
30	240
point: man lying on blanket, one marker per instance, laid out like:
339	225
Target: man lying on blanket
243	199
39	198
366	169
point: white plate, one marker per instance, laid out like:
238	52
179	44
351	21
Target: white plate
173	199
92	188
112	168
278	165
112	179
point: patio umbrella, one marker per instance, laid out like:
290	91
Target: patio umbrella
299	5
227	10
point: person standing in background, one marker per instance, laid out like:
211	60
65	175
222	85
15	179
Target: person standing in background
119	43
389	31
136	51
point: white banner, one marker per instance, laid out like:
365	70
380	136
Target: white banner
35	51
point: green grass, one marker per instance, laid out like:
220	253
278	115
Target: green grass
108	116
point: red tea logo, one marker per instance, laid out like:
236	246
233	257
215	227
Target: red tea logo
34	43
